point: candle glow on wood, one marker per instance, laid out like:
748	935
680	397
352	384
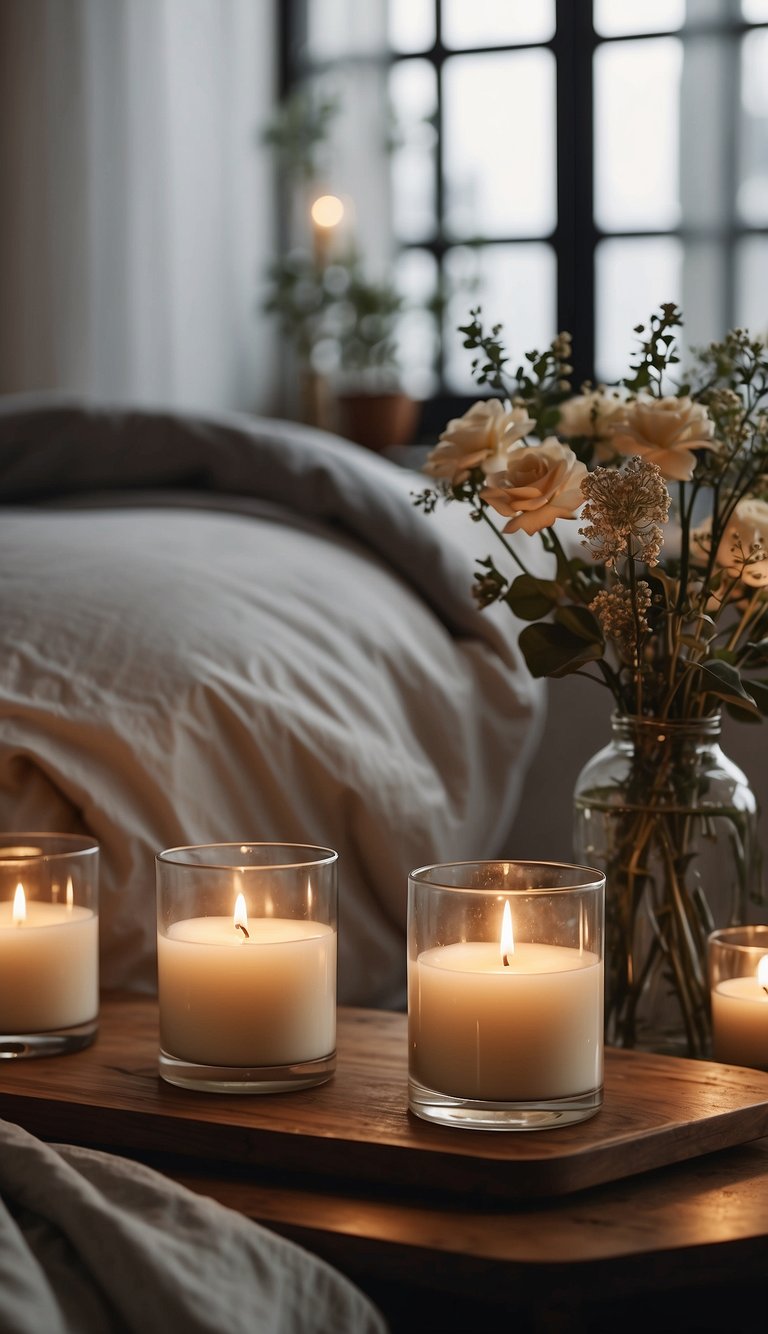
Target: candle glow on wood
740	1019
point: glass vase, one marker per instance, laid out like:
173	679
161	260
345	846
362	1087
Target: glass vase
673	824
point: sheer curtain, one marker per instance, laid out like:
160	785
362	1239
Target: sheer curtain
136	206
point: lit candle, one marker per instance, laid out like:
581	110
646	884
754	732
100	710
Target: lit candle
49	964
245	991
506	1021
740	1018
327	212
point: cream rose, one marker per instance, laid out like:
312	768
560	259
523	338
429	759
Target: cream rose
541	483
479	439
592	415
664	431
746	537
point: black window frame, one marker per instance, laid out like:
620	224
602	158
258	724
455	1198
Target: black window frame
576	235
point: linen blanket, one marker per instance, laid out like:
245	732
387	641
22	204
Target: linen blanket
92	1243
234	628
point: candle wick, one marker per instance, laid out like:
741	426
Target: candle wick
239	927
505	960
765	989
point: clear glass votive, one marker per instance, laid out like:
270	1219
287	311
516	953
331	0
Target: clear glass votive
505	994
738	980
246	960
49	944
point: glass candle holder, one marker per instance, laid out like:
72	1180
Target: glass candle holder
246	957
505	994
49	944
738	980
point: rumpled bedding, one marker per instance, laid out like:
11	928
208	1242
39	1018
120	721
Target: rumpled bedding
234	628
91	1243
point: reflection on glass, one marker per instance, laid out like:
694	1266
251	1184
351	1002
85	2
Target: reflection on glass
499	141
413	99
633	277
637	100
411	24
752	284
619	18
471	23
752	195
515	285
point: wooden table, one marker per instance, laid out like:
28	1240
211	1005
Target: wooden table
454	1230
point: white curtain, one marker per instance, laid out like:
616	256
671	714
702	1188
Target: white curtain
136	205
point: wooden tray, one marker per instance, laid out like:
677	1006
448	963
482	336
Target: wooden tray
658	1110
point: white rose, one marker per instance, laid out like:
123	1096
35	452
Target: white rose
479	439
664	431
541	483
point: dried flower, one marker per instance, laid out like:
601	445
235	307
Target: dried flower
623	616
625	510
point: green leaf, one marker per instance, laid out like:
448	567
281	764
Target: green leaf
759	692
582	623
553	650
531	598
723	680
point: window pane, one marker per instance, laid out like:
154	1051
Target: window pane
496	22
344	27
636	135
411	24
516	287
416	279
706	144
755	11
499	182
619	18
413	98
633	278
752	195
752	284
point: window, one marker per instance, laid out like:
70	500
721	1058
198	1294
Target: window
564	166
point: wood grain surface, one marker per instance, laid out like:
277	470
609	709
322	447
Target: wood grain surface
357	1127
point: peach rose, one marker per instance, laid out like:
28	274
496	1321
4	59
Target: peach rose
541	483
592	415
664	431
479	439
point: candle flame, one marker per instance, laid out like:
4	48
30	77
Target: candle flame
240	916
19	914
70	893
327	211
507	937
762	972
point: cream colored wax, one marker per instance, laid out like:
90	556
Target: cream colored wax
269	999
484	1030
49	968
740	1022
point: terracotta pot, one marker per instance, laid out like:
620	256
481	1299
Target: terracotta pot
377	420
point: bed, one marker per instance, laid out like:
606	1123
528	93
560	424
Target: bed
228	627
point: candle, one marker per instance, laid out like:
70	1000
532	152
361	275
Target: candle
505	994
740	1018
48	964
247	992
501	1031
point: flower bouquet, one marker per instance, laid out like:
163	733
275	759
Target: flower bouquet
659	594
